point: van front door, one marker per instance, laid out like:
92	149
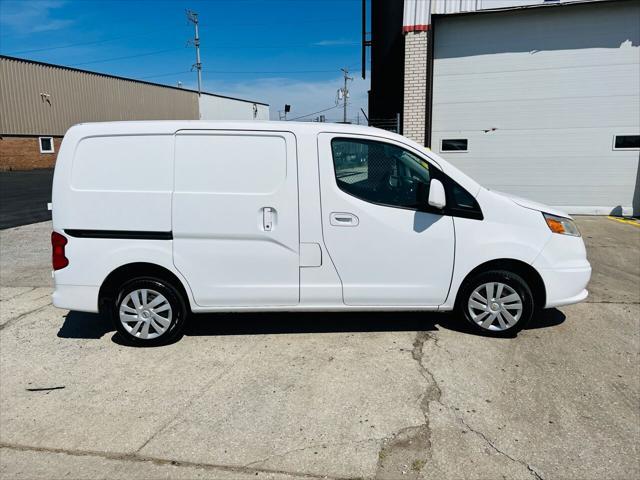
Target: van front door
388	248
235	217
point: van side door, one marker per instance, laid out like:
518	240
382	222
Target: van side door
235	217
388	247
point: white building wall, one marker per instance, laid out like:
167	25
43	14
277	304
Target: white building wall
213	107
417	13
539	94
444	7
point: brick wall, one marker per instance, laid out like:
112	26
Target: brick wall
23	153
415	86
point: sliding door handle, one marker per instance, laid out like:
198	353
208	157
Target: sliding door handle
267	218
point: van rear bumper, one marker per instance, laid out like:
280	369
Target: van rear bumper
76	297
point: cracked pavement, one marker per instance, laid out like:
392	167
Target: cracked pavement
300	395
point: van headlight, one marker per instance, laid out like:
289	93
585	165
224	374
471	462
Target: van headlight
562	225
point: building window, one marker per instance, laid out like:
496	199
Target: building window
626	142
46	145
454	145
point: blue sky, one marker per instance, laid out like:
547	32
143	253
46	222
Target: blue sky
274	51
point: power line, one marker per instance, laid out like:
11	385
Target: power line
216	47
157	52
273	24
315	113
235	46
271	71
104	60
164	74
297	1
236	72
288	46
70	45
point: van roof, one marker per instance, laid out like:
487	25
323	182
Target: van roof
171	126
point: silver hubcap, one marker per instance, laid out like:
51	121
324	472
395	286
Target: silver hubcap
495	306
145	313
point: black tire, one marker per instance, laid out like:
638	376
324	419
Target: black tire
178	312
512	281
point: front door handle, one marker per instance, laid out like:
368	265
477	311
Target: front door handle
343	219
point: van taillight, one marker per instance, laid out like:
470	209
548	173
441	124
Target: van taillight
58	260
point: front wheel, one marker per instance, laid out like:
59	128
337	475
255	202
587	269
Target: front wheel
148	312
497	302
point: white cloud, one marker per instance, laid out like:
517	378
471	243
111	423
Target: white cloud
304	96
333	43
24	17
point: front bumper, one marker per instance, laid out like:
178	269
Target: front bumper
566	286
564	269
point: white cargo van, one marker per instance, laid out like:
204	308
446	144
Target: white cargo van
154	220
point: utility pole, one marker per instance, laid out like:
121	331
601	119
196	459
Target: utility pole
193	18
345	93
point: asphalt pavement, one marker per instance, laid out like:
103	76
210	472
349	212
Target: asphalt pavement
24	197
323	395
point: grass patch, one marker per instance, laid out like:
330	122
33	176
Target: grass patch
418	465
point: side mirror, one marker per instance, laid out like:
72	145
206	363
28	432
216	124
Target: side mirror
437	197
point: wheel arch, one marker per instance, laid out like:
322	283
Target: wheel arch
528	273
109	286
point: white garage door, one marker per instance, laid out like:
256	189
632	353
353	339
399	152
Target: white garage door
540	96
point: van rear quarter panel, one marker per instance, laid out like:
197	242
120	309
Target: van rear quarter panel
109	178
114	182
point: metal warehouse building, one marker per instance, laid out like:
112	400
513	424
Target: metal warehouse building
538	98
39	102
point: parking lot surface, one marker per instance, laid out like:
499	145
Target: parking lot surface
24	196
298	395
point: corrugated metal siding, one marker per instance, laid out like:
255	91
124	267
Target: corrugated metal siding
220	108
418	12
455	6
77	97
444	7
540	106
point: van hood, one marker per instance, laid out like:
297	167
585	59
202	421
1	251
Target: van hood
530	204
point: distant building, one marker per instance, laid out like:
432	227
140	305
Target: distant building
40	101
538	98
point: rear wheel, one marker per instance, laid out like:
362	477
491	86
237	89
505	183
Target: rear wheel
496	303
148	312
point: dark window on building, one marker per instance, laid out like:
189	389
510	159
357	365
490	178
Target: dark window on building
380	173
46	145
454	145
623	142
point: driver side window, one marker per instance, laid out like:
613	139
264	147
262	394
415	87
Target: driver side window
380	172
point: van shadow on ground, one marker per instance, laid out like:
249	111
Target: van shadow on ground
94	326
